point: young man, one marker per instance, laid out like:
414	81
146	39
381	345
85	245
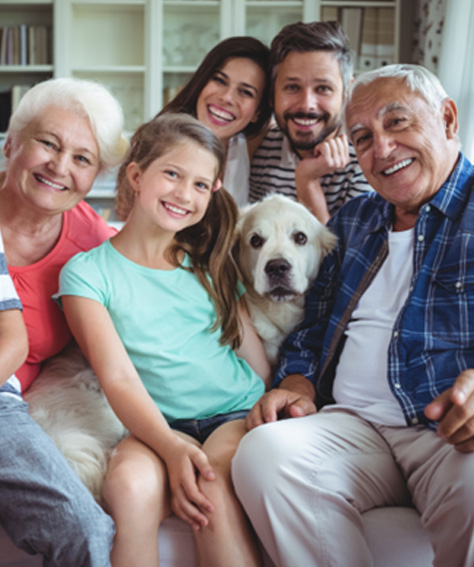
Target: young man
306	156
386	350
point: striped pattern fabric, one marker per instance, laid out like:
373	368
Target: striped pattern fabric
8	296
273	171
433	336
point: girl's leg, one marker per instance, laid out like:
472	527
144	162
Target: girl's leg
136	495
228	539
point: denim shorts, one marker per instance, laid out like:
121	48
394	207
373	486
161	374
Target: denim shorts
200	429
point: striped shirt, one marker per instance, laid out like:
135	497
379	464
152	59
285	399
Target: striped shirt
273	171
433	335
8	300
8	295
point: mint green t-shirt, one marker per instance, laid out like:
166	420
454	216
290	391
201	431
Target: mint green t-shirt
163	319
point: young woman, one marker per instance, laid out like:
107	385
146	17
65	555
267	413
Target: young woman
157	312
229	94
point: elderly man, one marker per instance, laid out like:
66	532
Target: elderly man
306	156
384	351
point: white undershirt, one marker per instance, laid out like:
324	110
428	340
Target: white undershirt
361	382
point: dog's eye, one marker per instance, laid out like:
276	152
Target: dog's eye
256	241
300	238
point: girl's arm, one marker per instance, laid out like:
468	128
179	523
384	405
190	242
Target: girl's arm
251	348
96	335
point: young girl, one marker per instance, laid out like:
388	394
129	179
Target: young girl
229	94
156	311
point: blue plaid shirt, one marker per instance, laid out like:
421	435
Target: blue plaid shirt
433	336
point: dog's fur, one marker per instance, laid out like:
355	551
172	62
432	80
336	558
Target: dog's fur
66	398
68	403
279	248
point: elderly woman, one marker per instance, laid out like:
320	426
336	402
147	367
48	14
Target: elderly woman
63	134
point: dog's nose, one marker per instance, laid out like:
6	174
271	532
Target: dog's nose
277	268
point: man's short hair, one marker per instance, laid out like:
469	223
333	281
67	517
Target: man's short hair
314	36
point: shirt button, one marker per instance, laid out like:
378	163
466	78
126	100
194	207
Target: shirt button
420	238
428	208
395	334
397	386
458	285
414	420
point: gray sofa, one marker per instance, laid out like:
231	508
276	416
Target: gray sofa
395	536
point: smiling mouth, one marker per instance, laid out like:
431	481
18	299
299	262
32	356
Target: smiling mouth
45	181
397	167
305	121
220	114
174	209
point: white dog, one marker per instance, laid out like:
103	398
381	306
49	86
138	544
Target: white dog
68	403
279	249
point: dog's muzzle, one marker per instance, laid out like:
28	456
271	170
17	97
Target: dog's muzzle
278	272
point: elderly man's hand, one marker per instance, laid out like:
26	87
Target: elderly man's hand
294	398
454	409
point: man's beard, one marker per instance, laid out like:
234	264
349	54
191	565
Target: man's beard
305	140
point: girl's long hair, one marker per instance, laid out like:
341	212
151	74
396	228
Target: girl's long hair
208	243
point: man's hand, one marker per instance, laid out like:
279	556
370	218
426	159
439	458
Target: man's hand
454	409
294	398
328	156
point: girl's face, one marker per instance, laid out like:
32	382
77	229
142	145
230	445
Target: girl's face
174	191
53	161
230	100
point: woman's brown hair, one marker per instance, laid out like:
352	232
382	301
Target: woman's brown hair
208	243
245	47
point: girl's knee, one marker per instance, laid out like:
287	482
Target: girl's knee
132	486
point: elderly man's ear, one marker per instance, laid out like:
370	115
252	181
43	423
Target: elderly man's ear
450	117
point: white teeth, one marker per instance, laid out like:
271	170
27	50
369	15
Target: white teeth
175	209
305	121
50	183
397	166
222	114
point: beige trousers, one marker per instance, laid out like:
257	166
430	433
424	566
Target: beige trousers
305	482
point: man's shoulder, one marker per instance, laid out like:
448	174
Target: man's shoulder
362	210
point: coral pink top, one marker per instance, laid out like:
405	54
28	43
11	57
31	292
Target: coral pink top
48	332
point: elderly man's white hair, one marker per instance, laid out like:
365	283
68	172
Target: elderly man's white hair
84	98
417	78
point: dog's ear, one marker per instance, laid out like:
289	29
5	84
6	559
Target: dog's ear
327	240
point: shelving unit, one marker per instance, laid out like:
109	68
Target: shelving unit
145	50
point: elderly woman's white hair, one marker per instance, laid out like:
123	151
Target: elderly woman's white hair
417	78
84	98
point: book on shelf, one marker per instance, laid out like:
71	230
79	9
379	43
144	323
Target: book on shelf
25	45
17	92
5	109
